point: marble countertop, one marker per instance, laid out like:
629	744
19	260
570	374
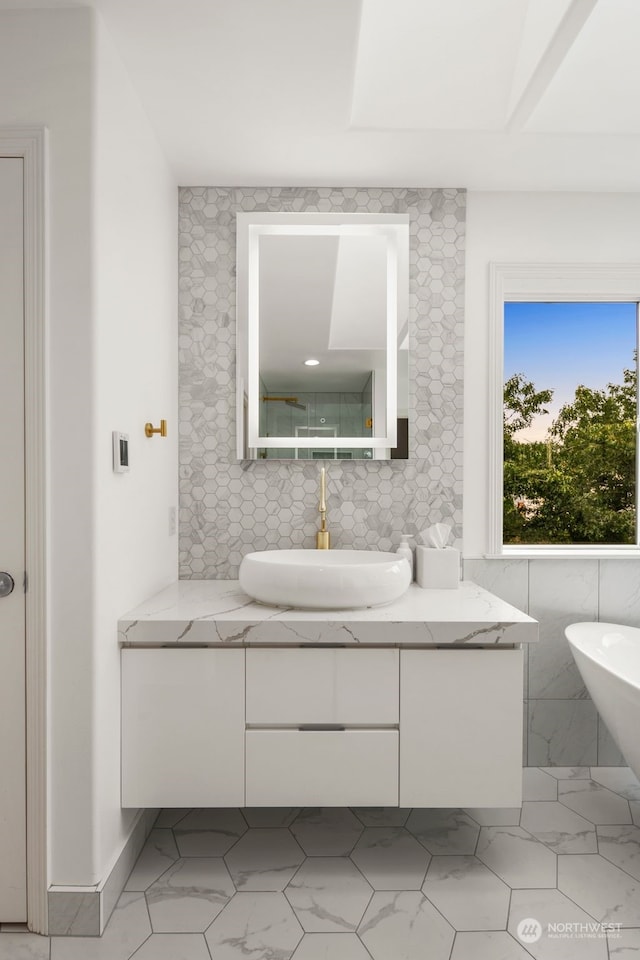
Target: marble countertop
218	613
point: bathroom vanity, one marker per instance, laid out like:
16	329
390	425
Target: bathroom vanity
226	702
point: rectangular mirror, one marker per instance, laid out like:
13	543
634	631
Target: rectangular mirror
322	336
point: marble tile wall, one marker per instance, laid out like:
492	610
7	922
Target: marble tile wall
229	508
563	727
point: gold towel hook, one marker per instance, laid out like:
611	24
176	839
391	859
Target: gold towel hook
149	429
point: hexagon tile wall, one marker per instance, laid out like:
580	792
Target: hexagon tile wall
228	508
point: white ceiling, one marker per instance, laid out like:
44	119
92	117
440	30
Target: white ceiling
436	64
484	94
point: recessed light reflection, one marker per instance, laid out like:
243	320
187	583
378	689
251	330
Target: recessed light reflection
311	363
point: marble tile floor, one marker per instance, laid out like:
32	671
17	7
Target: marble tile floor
558	879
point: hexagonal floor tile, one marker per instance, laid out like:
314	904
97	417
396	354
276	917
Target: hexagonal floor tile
170	817
624	945
254	925
174	946
331	946
157	855
467	893
209	832
189	895
26	946
488	945
551	907
621	780
568	773
621	845
557	827
495	816
405	925
517	857
391	858
444	832
270	816
328	895
382	816
593	801
326	831
538	785
264	859
600	888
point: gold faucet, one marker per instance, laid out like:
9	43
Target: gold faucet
323	540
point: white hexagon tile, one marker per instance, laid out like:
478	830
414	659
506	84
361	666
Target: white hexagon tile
317	884
228	508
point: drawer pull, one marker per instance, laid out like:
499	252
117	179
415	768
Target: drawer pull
330	727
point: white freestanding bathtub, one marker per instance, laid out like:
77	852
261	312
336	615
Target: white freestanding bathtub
608	657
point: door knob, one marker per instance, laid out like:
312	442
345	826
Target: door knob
7	584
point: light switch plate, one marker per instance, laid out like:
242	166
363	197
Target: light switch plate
120	452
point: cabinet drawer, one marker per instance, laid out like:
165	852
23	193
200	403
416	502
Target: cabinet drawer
322	768
322	686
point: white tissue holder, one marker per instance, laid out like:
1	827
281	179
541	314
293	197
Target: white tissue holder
437	569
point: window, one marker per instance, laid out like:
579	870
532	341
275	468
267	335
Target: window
570	411
565	459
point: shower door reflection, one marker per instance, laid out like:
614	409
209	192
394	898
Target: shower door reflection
321	414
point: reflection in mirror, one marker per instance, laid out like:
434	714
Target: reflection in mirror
322	336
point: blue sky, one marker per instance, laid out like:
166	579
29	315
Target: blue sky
561	345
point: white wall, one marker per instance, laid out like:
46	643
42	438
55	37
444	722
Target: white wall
135	202
112	282
46	78
525	227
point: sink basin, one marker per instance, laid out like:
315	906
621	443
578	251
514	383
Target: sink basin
324	579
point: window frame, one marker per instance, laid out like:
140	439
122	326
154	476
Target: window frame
558	282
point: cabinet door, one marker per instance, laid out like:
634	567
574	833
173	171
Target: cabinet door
460	728
182	728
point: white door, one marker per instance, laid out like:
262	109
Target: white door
13	906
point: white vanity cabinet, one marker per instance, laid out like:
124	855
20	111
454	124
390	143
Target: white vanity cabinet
309	726
413	704
183	728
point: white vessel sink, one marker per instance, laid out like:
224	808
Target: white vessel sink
324	579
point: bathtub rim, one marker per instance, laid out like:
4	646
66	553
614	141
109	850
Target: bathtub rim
598	627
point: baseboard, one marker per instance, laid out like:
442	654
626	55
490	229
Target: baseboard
85	911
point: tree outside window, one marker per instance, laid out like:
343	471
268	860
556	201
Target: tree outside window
570	468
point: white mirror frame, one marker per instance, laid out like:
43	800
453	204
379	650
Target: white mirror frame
250	227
